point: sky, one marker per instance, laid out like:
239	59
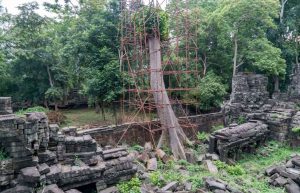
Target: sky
11	5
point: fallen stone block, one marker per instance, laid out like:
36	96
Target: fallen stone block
170	186
30	174
210	166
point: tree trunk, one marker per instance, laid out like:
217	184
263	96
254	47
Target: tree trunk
276	84
169	121
297	55
103	112
97	107
55	106
283	2
235	55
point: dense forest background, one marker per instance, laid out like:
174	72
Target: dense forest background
43	60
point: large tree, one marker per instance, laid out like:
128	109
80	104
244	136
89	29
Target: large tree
242	24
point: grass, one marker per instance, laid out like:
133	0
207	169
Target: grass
88	118
247	174
31	110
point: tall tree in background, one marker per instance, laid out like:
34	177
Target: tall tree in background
244	23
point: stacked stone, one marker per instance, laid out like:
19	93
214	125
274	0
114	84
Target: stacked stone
119	165
53	137
286	175
279	122
6	173
37	130
5	106
235	138
294	88
296	120
12	140
249	90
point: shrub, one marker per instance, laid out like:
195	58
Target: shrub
197	182
202	136
217	127
32	110
132	186
209	94
296	130
241	120
235	170
155	179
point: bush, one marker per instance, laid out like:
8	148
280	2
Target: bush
296	130
156	179
202	136
132	186
235	170
217	127
32	110
241	120
209	94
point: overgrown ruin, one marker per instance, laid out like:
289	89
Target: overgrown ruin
41	157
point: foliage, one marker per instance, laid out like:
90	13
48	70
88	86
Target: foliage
210	92
235	170
3	155
202	136
156	179
266	57
241	120
137	148
32	110
132	186
217	127
156	19
296	130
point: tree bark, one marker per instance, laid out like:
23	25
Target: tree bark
283	2
165	112
276	84
235	55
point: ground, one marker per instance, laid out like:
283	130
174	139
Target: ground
88	118
246	175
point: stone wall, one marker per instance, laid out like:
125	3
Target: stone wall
294	88
137	133
5	105
40	155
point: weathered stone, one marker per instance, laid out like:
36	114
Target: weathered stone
43	169
73	191
170	186
30	174
110	190
292	188
51	189
280	181
271	170
210	166
152	164
212	184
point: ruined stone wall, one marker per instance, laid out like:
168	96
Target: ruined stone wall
40	156
138	133
294	88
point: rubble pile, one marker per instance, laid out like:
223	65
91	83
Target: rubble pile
286	175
